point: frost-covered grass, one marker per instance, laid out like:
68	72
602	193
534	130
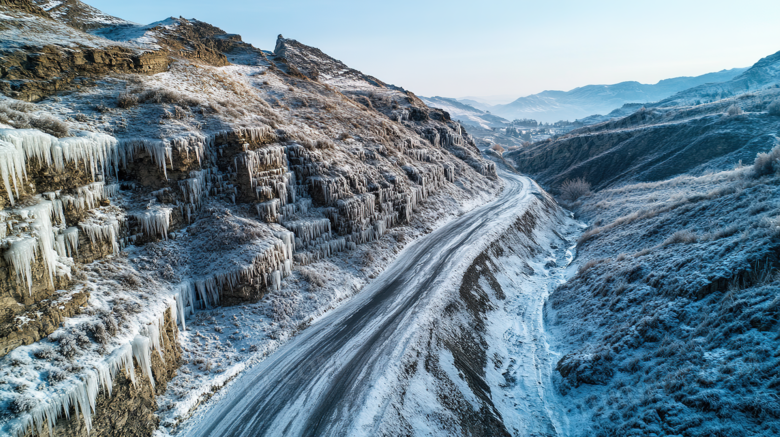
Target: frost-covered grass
670	327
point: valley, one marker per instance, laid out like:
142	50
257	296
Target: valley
202	237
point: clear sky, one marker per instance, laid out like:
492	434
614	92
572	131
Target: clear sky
500	48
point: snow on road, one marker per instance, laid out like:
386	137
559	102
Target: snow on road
333	376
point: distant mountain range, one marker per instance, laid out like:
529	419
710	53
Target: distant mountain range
551	106
762	75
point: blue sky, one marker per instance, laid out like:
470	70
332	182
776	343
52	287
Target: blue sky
498	48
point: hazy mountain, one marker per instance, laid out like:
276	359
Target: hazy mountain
550	106
764	73
465	113
477	104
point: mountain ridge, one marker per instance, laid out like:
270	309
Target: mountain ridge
556	105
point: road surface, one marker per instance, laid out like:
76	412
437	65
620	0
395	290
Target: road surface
318	382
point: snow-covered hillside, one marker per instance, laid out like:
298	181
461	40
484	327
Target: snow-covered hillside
669	325
164	171
79	15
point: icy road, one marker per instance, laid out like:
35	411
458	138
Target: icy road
318	383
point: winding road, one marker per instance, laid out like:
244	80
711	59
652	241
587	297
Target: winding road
318	382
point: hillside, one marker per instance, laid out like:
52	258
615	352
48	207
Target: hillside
667	323
154	172
657	142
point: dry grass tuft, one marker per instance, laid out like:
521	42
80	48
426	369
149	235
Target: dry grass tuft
313	277
17	114
681	237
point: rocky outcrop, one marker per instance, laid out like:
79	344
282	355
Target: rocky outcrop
196	40
31	76
26	6
25	324
153	197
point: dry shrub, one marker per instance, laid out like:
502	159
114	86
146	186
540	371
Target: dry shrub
99	332
23	404
68	346
767	163
101	108
166	96
50	125
15	113
126	100
587	266
45	353
56	376
497	148
573	189
18	105
368	258
326	143
734	110
282	309
177	113
313	277
774	108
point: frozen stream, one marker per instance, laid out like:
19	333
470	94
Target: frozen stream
527	399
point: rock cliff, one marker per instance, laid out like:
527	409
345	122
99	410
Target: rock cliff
169	169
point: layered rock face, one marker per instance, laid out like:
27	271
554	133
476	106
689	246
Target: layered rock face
130	205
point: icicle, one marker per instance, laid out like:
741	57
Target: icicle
33	143
157	149
110	190
98	228
21	254
155	221
142	354
72	240
98	152
12	168
83	396
154	333
59	246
